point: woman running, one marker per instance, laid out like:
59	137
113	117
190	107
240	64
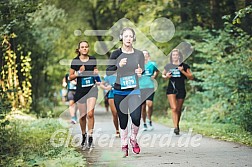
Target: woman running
128	63
71	89
83	67
108	85
177	72
146	84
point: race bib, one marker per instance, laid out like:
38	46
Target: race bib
147	72
86	82
175	72
128	82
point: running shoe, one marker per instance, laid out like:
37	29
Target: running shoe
176	131
135	146
90	142
117	135
145	127
150	127
73	121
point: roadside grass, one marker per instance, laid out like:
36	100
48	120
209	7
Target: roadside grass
226	132
59	109
25	141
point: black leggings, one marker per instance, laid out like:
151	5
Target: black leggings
125	104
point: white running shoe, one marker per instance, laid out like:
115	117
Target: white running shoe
145	127
150	127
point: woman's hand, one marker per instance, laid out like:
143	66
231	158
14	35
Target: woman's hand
82	68
123	62
109	87
138	71
80	72
166	74
181	68
74	82
169	74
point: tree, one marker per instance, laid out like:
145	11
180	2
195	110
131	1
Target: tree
223	64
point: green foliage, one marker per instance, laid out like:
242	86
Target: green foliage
46	107
46	25
242	19
16	62
38	28
5	108
222	65
47	30
17	88
27	143
26	82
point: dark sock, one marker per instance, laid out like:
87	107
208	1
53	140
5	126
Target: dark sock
84	137
90	141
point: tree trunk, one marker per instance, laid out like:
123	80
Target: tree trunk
183	11
216	14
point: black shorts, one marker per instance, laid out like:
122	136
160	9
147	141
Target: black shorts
180	93
82	96
147	94
70	95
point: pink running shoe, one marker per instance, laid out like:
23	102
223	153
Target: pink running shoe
125	150
135	146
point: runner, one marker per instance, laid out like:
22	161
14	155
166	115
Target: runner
177	72
129	64
83	67
108	85
71	89
146	84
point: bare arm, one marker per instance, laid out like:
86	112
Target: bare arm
72	74
187	73
166	74
104	86
64	83
154	76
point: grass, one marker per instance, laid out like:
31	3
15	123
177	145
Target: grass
227	132
27	141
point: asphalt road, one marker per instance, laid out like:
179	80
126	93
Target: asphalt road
161	148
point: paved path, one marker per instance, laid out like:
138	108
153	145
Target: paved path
161	148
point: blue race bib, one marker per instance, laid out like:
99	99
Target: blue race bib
175	72
128	82
147	72
86	82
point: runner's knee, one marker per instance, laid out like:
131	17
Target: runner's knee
174	108
136	121
90	114
123	125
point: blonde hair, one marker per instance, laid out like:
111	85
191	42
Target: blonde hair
180	55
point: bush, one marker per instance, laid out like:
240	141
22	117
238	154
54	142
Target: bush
27	143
